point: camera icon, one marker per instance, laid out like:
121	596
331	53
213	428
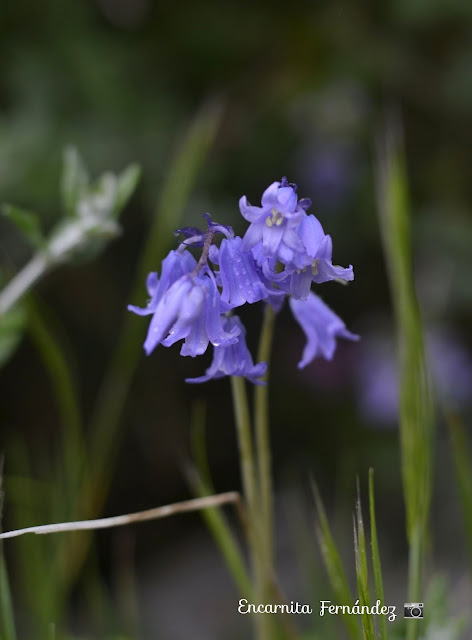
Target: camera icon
413	610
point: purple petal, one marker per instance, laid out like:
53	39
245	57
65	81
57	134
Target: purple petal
271	239
196	342
152	282
300	284
190	309
286	200
292	240
216	334
141	312
269	197
233	359
327	271
166	313
321	327
253	235
312	234
251	213
174	266
239	278
325	251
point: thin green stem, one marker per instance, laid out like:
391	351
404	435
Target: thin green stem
220	529
199	478
415	574
263	438
251	494
246	452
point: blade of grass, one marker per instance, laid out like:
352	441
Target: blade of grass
334	565
198	449
34	501
416	407
376	564
362	571
220	529
463	468
199	478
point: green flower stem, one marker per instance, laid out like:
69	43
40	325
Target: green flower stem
218	525
250	488
263	440
246	453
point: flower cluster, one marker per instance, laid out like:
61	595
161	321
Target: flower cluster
282	252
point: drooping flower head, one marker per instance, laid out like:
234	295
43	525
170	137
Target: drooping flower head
321	326
234	359
186	303
283	251
275	222
288	244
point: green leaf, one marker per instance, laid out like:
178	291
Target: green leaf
27	222
334	566
127	182
12	325
74	181
362	572
377	567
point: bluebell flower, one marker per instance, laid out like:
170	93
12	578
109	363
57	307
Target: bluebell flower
321	326
315	263
312	264
283	251
238	274
184	307
234	359
275	223
174	266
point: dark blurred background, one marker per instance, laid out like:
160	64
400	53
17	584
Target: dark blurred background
303	90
